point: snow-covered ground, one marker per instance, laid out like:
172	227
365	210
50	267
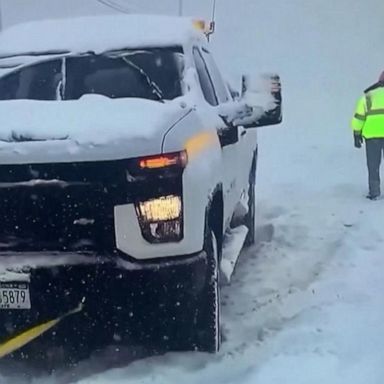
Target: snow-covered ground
305	304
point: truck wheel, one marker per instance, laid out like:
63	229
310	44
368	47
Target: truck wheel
208	319
250	218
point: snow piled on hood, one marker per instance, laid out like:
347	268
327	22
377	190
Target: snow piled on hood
93	119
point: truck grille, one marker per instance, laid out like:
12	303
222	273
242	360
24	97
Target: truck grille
60	207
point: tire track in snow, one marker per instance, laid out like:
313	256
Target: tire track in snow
272	280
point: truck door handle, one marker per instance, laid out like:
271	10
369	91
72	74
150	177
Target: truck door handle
243	133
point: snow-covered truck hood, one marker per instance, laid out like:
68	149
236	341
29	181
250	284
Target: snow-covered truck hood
89	129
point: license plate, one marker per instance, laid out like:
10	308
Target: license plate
14	296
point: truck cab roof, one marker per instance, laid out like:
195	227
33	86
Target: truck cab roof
97	34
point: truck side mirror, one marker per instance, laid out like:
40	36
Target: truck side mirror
262	95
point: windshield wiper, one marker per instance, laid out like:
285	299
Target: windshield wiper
152	85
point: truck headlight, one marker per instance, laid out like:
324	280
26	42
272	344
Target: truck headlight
163	208
161	219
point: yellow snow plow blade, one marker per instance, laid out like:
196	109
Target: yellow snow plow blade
31	334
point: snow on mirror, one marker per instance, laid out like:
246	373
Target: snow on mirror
263	100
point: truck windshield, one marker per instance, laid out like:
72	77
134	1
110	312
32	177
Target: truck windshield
153	74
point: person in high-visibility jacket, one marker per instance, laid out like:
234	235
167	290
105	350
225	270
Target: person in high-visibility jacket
368	125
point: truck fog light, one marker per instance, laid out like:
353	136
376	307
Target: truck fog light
166	230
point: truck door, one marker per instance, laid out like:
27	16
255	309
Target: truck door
232	140
247	139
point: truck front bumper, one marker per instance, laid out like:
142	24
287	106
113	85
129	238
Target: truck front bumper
89	306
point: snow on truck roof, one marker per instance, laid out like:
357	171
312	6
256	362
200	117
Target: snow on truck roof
97	34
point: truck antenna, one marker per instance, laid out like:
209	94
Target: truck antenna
213	10
212	24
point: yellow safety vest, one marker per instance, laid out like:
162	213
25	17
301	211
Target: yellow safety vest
369	114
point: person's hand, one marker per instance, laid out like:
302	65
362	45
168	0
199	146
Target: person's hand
358	140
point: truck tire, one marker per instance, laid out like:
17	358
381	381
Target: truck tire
250	218
208	320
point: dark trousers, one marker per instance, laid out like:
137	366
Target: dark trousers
375	151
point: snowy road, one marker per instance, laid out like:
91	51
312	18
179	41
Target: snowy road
306	304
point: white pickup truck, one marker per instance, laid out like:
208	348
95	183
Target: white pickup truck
127	184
